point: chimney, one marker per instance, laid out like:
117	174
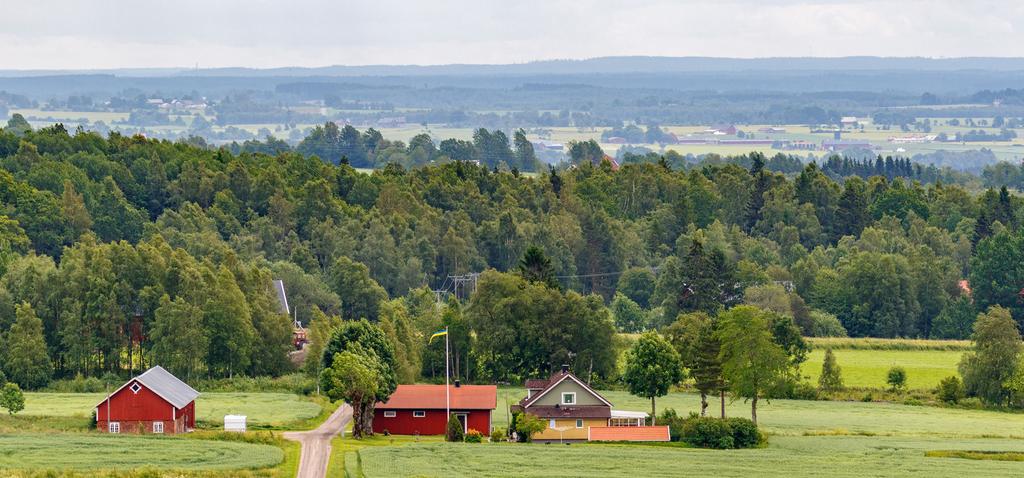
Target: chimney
457	384
565	368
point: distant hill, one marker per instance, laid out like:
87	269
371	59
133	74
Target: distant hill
601	65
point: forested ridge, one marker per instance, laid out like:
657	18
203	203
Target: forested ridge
120	252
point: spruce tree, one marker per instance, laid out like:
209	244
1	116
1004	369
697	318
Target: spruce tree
831	379
536	267
27	363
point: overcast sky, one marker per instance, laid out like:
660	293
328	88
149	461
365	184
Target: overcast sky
82	34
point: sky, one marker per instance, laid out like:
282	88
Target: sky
101	34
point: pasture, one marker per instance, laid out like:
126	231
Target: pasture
807	438
124	452
264	410
867	368
788	457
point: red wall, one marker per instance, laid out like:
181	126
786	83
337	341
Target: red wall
403	423
136	412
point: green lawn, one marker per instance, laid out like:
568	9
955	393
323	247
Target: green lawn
867	368
264	410
122	452
785	457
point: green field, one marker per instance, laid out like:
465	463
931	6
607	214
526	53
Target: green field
122	452
867	368
264	410
807	439
786	457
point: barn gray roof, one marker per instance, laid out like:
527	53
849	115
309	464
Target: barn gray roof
164	384
282	298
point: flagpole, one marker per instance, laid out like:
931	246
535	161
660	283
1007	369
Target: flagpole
447	388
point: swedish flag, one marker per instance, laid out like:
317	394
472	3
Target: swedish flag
439	333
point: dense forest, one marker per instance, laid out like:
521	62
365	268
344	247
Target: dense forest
120	252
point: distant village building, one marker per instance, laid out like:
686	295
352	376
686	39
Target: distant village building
849	121
615	140
722	130
154	402
391	122
420	409
844	144
771	130
798	145
913	139
541	146
575	412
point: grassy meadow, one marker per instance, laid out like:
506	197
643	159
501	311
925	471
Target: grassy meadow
264	410
82	451
868	368
785	457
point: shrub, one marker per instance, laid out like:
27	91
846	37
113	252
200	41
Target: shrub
11	398
474	436
674	421
950	389
706	432
744	433
824	324
454	432
498	435
801	391
527	425
868	398
896	378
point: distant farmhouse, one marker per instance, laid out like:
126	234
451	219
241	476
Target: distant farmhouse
154	402
576	412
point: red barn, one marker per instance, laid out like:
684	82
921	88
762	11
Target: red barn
154	402
420	409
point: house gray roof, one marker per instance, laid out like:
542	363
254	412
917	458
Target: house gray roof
164	384
282	298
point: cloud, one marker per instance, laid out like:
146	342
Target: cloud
261	33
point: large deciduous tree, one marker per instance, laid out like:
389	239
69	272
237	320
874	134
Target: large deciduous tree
652	367
997	349
752	363
367	340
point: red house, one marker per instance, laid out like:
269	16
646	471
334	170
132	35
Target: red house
154	402
420	409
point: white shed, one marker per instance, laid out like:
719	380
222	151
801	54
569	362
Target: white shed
234	423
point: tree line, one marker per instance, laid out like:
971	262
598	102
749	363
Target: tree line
129	240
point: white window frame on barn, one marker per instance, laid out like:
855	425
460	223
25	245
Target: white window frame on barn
158	427
570	401
419	414
390	414
114	427
135	388
579	423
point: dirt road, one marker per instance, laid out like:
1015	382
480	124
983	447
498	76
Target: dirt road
316	444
